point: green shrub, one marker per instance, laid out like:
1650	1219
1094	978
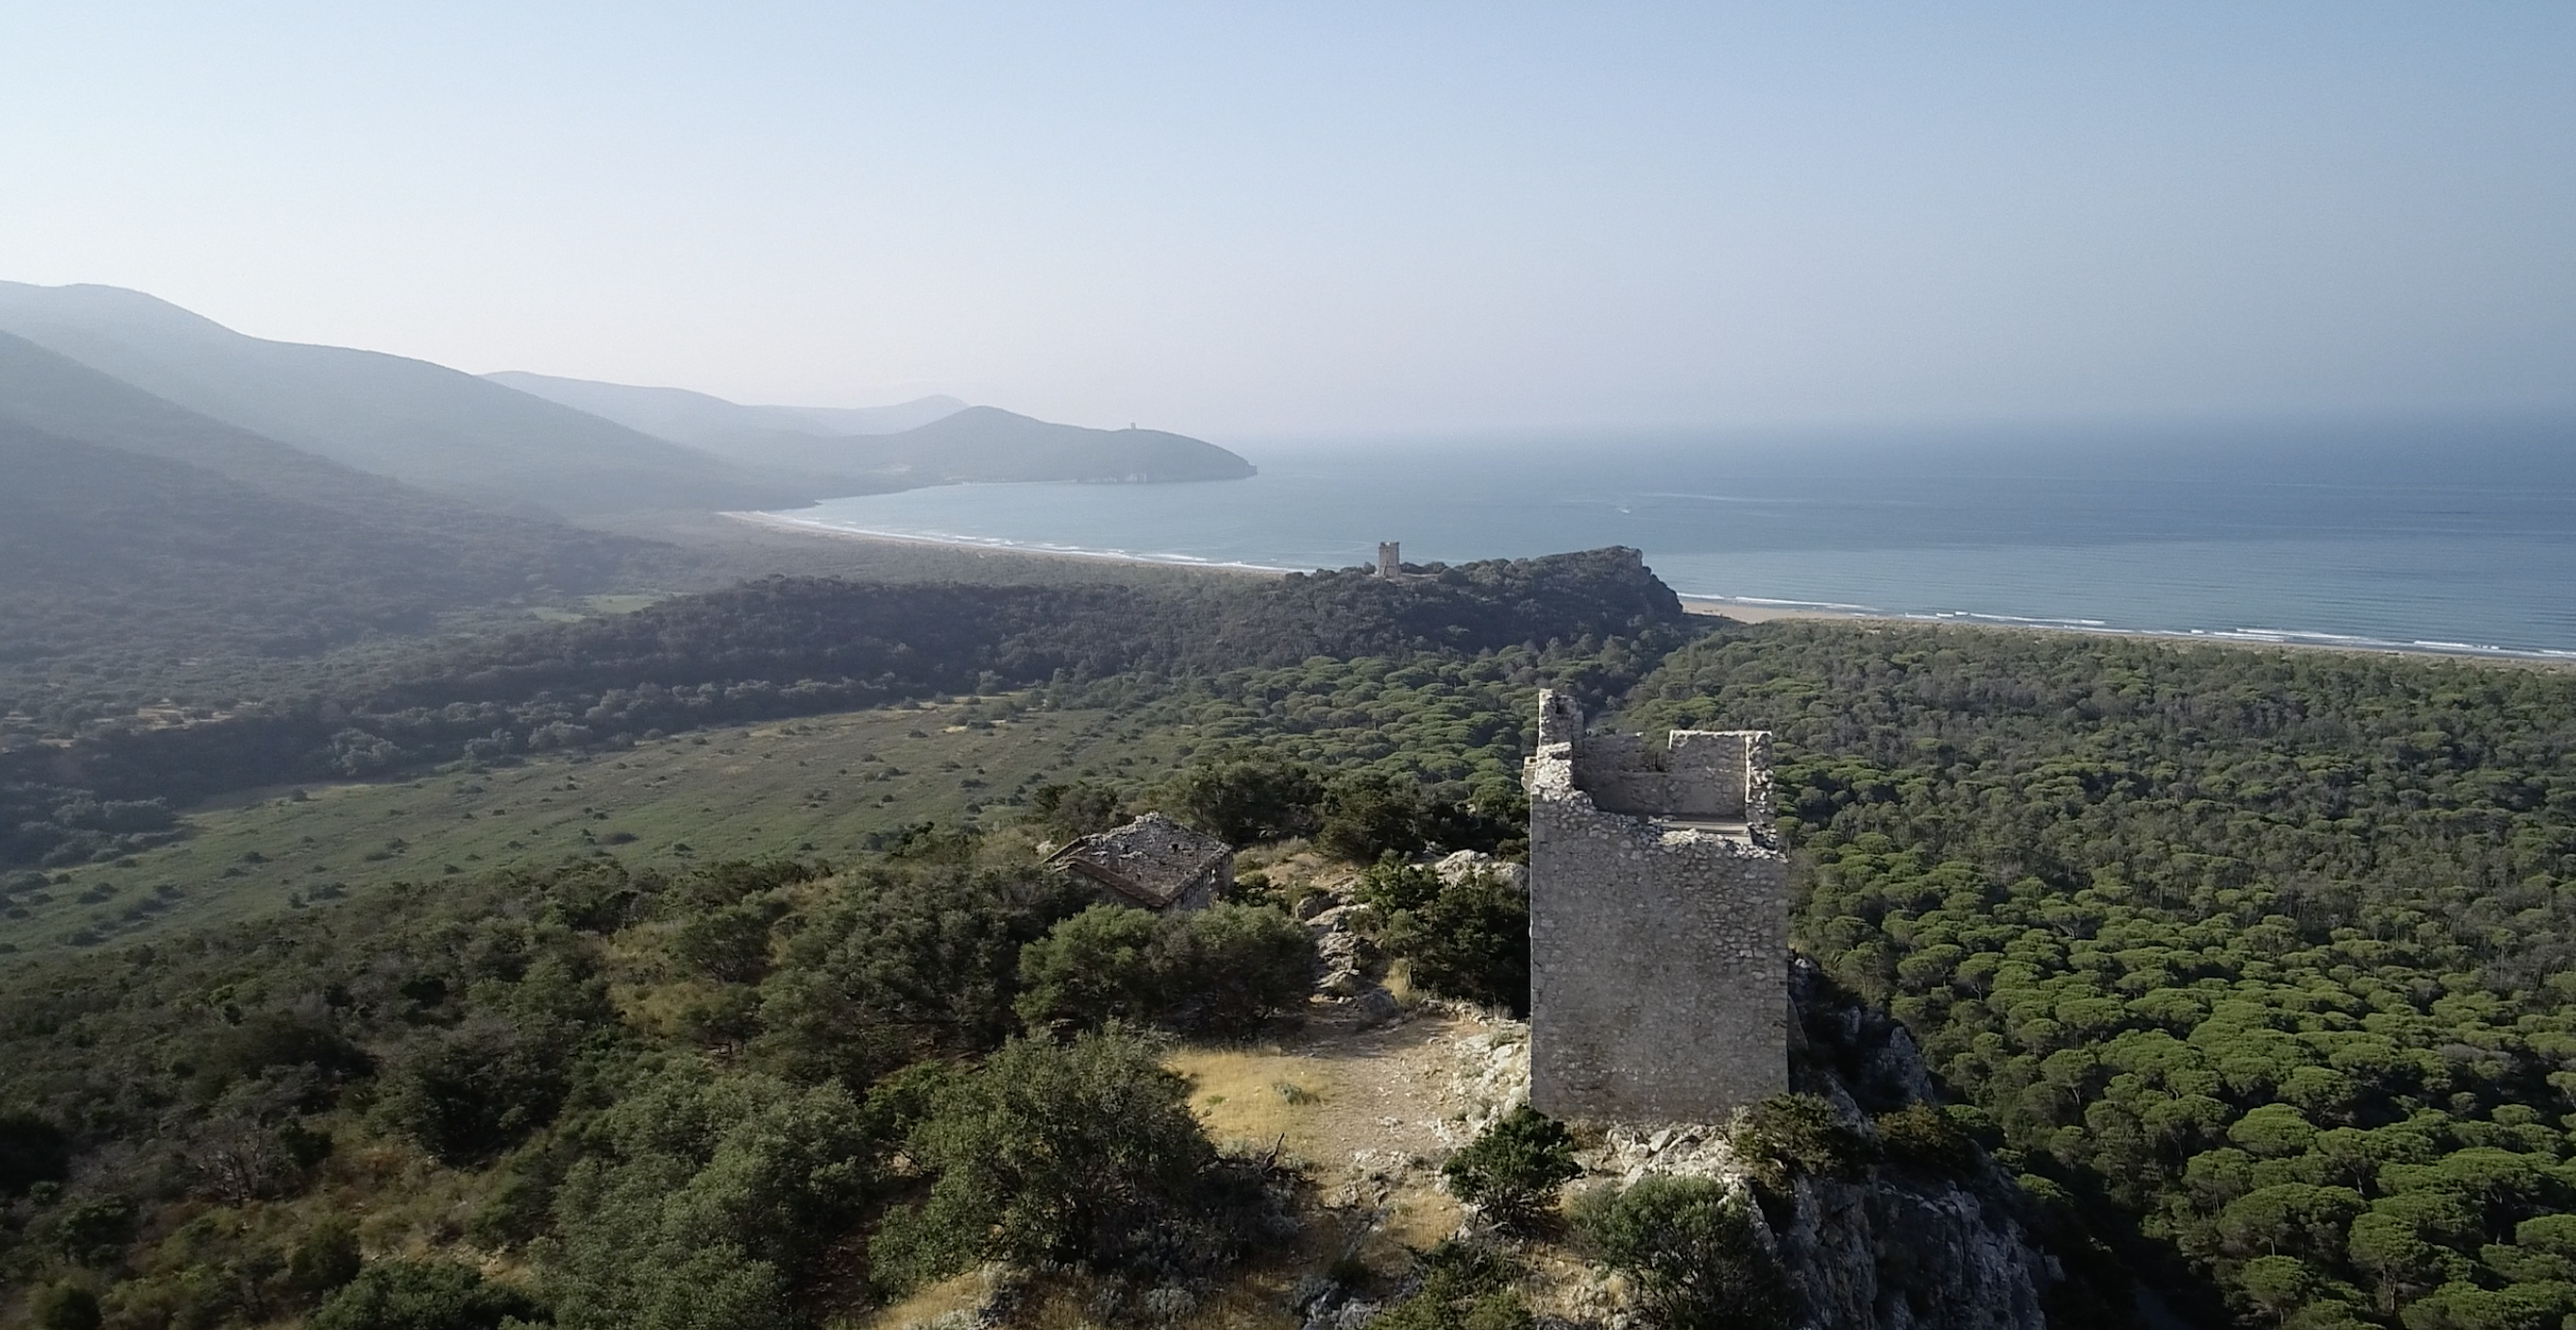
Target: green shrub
469	1093
1693	1252
1923	1138
1464	1287
1228	968
1788	1136
1469	940
1250	800
92	1230
925	843
2461	1305
703	1195
729	945
324	1260
1368	815
1222	970
1512	1170
898	967
1391	885
274	1039
727	883
1493	818
422	1295
1097	966
32	1150
1083	1151
1078	809
727	1016
64	1307
898	1104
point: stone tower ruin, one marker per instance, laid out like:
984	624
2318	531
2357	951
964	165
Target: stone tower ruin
1659	919
1390	563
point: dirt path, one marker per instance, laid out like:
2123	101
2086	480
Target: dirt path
1370	1113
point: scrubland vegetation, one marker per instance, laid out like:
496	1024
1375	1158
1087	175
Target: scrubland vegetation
2249	966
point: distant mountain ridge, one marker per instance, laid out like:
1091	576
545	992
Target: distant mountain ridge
699	418
127	519
417	422
929	441
570	446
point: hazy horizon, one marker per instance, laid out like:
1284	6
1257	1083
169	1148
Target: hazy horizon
1274	224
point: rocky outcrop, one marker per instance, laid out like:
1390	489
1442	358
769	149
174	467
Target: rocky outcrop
1887	1241
1349	967
1459	865
1891	1255
1491	1076
1895	1247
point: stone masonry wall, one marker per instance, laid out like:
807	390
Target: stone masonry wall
1658	950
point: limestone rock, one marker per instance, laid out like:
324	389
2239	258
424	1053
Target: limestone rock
1340	919
1491	1077
1342	949
1455	867
1925	1257
1376	1006
1687	1150
1343	982
1896	1251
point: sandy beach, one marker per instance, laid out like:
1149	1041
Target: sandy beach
789	526
1755	612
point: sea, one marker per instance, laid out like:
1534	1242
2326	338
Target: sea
2435	535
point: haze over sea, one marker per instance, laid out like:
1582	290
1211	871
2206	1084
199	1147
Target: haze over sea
2454	535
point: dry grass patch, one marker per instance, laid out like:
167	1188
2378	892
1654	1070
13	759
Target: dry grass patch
1077	1303
1420	1216
1255	1097
963	1293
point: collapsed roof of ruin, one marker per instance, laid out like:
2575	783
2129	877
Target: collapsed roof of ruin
1152	861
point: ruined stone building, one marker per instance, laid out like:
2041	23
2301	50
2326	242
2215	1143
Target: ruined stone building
1390	560
1658	923
1153	862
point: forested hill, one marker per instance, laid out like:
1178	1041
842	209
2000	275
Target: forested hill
984	443
784	647
946	636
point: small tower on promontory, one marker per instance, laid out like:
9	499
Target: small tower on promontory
1659	921
1390	559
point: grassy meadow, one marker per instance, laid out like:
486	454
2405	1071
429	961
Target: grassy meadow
815	786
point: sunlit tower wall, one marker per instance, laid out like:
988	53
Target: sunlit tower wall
1659	921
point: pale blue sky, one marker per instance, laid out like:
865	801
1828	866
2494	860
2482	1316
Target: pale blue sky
1232	218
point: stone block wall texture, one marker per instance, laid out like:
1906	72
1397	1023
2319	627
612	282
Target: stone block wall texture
1659	920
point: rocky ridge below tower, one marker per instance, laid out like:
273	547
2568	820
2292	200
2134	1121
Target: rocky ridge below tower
1880	1228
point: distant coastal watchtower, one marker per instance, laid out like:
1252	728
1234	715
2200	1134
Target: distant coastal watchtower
1390	563
1659	920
